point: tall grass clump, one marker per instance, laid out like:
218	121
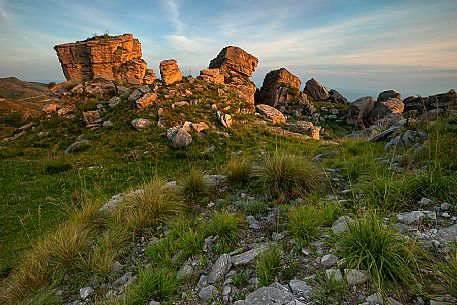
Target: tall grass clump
157	200
268	265
448	271
156	284
284	175
389	259
239	170
227	228
303	222
195	185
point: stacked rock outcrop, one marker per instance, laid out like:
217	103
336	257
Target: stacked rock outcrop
236	65
281	89
109	57
170	72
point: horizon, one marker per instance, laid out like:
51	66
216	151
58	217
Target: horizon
366	46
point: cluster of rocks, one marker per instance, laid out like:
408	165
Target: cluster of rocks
180	135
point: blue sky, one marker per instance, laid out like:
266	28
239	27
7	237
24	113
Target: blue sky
410	46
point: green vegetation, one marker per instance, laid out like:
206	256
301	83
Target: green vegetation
268	265
227	228
241	279
239	170
389	259
195	185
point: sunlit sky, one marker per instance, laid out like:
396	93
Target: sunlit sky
406	45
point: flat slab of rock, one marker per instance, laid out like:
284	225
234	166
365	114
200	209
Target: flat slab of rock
146	100
415	216
247	257
270	295
220	267
299	287
272	113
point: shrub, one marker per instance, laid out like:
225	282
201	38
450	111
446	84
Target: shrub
195	184
57	166
241	279
268	265
287	175
161	253
303	221
157	284
255	208
239	170
388	258
156	200
227	227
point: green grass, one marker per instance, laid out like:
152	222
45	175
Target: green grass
268	265
283	175
195	185
157	284
226	226
255	208
241	279
389	259
239	170
327	290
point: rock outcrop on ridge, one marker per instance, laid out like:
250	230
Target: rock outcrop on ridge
110	57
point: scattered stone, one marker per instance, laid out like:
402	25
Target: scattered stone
146	100
91	117
445	206
65	110
185	270
86	292
226	290
355	277
202	282
340	225
77	146
247	257
334	274
252	222
299	287
114	102
169	71
181	139
141	124
154	303
329	260
220	268
408	138
180	104
270	295
425	202
107	124
448	234
208	293
273	114
225	119
415	216
199	127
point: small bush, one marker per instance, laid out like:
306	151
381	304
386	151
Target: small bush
327	290
268	265
241	279
157	284
195	185
388	258
287	175
161	253
303	221
227	227
57	166
239	170
255	208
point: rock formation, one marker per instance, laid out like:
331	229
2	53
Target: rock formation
169	71
273	114
416	106
236	65
212	76
315	89
360	111
110	57
336	97
281	89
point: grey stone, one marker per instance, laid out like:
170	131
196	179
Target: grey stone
107	124
86	292
340	225
154	303
141	124
299	287
220	268
226	290
355	277
117	267
270	295
77	146
329	260
184	271
112	203
425	202
252	222
247	257
208	293
414	216
114	102
447	234
376	299
445	206
334	274
181	139
171	132
202	282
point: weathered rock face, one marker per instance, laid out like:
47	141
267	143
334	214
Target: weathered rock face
419	105
279	85
234	60
336	97
272	113
315	89
111	57
236	65
388	106
388	94
169	71
212	76
360	111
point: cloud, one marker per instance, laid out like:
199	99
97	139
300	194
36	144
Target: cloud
173	9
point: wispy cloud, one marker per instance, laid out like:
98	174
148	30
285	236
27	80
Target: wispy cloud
173	9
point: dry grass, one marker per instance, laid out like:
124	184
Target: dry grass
239	170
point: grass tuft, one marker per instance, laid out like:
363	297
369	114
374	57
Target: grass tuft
195	185
239	170
268	265
284	175
227	227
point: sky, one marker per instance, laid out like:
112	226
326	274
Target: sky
356	46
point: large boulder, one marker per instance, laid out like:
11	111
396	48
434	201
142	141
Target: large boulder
388	94
110	57
360	111
169	71
273	114
234	60
440	102
389	106
336	97
315	89
212	76
146	100
279	87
